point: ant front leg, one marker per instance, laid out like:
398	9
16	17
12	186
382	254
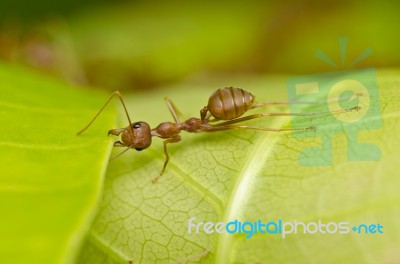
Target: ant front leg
119	144
170	140
116	132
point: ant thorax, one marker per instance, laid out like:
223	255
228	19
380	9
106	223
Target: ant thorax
166	130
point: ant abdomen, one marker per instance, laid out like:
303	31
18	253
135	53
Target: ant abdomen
229	103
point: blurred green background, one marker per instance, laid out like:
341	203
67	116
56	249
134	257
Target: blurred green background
132	45
147	45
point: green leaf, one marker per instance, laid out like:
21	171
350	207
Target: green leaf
50	179
248	175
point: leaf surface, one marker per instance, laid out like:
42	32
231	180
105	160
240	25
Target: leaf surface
249	176
50	179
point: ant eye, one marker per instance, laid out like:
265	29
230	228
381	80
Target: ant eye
136	125
139	149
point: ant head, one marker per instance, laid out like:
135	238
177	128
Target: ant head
137	136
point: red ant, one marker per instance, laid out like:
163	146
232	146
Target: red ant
225	105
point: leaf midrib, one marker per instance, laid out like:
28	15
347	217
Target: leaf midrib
260	151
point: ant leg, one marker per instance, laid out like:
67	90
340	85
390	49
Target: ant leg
119	144
116	132
170	140
205	114
173	110
229	127
249	117
117	93
256	105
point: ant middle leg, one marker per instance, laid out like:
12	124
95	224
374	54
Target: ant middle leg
173	110
175	139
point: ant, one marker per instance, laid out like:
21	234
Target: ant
225	106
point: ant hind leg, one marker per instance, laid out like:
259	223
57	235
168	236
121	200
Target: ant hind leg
316	102
230	127
310	114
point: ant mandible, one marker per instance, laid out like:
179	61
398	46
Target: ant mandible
225	105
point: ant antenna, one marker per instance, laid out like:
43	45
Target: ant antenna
119	154
117	93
